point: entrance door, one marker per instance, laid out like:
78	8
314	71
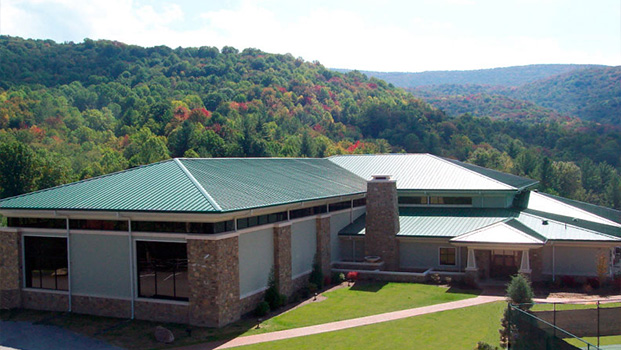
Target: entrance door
504	263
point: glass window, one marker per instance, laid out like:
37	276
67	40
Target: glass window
103	225
450	200
414	200
300	213
360	202
340	206
37	223
46	262
447	256
162	270
182	227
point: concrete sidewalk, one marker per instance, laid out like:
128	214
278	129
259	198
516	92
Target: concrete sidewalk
339	325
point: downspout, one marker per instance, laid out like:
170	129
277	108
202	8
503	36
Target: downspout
131	266
68	266
553	262
351	211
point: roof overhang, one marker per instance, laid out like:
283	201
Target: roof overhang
473	192
497	246
169	215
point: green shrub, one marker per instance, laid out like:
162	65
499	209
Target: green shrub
316	275
262	309
272	296
282	300
485	346
338	278
520	292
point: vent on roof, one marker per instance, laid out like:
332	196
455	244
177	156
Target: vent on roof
380	177
544	222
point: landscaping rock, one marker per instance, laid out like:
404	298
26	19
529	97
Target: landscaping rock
164	335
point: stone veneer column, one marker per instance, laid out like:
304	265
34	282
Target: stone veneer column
213	277
536	264
323	244
282	258
10	272
382	221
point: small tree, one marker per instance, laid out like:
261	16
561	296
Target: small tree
316	276
520	293
272	296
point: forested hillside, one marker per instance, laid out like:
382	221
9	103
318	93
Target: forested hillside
506	76
72	111
590	93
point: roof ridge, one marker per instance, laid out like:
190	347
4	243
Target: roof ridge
197	184
85	180
517	222
476	230
472	171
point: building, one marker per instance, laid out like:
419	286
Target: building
194	240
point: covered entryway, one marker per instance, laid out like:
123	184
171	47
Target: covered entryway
504	263
500	250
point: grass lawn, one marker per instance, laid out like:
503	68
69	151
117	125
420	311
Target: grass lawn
603	341
559	307
362	299
458	329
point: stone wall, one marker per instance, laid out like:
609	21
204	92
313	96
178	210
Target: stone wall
10	271
248	304
324	252
282	258
536	264
161	312
101	306
300	283
47	301
382	222
213	276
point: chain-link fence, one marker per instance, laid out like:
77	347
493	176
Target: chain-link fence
538	330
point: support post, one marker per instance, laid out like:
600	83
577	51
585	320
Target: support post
472	262
525	264
472	272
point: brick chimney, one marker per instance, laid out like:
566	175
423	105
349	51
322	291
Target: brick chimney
382	221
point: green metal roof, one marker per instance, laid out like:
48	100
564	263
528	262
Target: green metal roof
555	227
458	222
243	183
566	207
426	172
505	232
199	185
437	222
156	187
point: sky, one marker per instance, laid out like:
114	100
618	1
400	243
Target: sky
388	35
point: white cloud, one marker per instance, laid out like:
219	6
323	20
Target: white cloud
345	37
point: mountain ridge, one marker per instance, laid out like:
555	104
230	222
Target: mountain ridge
500	76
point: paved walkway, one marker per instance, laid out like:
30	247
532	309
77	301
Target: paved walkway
356	322
28	336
